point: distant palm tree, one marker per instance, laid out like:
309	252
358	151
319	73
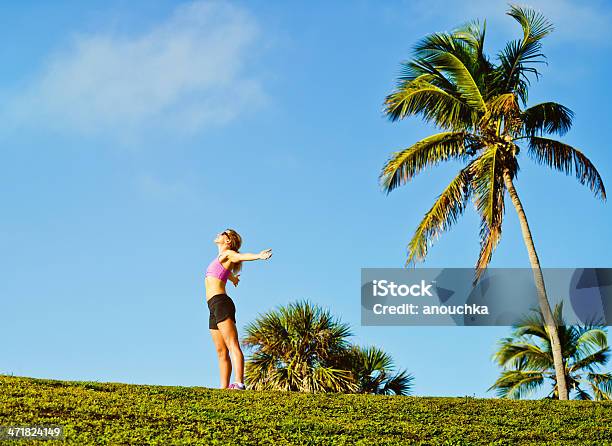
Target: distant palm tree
301	347
527	358
480	106
373	370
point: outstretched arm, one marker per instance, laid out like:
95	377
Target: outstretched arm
236	257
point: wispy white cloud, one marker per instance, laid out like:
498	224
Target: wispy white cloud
183	75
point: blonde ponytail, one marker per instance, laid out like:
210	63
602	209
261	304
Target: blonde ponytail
235	244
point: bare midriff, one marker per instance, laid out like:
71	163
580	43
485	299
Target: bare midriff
214	286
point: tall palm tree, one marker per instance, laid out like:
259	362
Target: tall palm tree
526	356
301	347
373	370
481	106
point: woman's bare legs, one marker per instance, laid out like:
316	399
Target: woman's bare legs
230	336
225	365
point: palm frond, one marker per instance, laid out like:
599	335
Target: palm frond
462	78
372	369
259	371
535	25
566	158
523	355
590	362
488	193
489	238
531	325
328	379
456	59
547	117
423	69
517	56
473	34
449	205
516	384
450	63
582	394
373	359
402	166
601	385
509	78
423	96
398	384
437	43
267	332
590	339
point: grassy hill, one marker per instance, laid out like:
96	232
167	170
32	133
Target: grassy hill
122	414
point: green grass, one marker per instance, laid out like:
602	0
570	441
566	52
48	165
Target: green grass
122	414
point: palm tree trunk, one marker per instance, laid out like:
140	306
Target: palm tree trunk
542	298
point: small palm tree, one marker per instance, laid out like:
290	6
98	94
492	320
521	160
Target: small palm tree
301	347
373	370
481	106
526	356
298	348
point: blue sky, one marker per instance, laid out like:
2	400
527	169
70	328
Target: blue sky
134	131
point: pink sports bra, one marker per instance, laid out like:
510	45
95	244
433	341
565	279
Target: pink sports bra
215	269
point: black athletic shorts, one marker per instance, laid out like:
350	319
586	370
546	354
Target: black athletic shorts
221	307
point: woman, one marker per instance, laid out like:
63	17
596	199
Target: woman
222	322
